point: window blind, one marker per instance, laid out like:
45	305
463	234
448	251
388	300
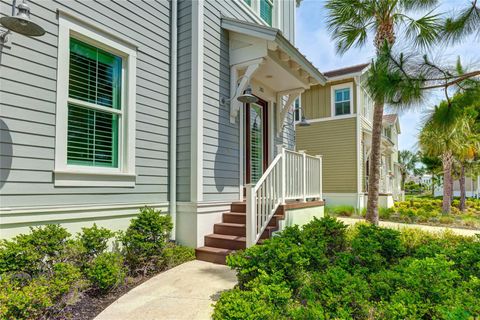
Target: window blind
266	9
95	78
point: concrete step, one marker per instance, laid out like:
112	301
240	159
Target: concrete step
233	229
211	254
235	217
225	241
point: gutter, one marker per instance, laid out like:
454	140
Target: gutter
173	117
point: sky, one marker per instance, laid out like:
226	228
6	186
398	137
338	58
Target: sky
313	40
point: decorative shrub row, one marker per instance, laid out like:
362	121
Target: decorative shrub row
326	271
44	270
421	210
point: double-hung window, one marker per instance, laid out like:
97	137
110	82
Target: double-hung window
94	106
263	8
95	130
342	100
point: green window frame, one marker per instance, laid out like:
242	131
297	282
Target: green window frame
342	101
94	106
266	11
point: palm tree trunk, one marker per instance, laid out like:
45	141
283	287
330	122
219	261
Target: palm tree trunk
374	178
447	162
463	194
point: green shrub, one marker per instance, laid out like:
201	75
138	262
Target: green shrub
267	297
283	254
341	210
94	240
368	273
174	255
145	239
30	299
106	271
36	252
341	295
373	247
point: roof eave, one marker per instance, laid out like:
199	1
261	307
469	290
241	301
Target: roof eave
274	35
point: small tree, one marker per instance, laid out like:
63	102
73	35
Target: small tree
407	160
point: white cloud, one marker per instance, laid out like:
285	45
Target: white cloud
313	40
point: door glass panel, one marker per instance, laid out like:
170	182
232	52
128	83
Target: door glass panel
256	142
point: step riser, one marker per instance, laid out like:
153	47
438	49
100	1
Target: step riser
234	231
238	207
234	218
210	257
225	243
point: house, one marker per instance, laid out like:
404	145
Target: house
472	188
125	104
340	116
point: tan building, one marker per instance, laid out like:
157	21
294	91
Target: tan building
340	115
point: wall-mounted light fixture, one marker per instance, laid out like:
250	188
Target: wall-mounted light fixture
246	97
302	123
20	23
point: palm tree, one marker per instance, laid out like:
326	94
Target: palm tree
447	134
407	160
350	23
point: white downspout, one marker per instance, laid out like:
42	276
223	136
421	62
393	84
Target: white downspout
173	118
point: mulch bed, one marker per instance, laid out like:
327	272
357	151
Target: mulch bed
92	303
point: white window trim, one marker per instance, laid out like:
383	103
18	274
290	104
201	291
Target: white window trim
77	175
348	85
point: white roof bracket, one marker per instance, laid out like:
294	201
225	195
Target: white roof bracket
237	88
282	109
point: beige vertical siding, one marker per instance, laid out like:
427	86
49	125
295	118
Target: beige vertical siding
335	140
316	102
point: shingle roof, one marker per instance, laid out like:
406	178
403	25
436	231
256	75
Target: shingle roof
390	118
344	71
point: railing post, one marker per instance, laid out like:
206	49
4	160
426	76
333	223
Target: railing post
320	181
251	214
304	175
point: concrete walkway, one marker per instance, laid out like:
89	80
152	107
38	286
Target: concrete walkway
184	292
398	226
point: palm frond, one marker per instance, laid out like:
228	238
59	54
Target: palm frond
349	22
423	31
410	5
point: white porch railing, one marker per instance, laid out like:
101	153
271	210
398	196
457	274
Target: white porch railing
291	176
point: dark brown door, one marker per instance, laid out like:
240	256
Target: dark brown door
256	140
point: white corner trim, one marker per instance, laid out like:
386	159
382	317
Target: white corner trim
196	134
69	175
359	138
84	179
346	85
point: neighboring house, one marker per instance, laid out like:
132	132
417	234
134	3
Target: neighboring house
124	104
472	188
340	115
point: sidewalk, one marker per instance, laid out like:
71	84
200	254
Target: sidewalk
398	225
184	292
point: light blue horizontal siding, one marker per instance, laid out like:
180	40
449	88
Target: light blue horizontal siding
28	104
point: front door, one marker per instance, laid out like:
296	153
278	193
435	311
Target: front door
256	140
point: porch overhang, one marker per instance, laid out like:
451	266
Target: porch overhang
263	53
